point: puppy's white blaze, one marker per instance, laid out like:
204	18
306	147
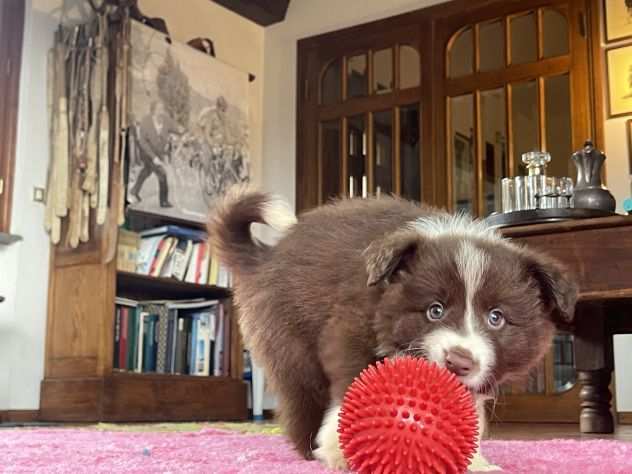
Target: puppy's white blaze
278	215
455	225
329	452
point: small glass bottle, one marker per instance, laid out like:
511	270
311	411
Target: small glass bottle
536	163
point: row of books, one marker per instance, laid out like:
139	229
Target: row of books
171	252
189	337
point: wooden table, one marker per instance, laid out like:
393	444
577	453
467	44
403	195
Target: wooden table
599	252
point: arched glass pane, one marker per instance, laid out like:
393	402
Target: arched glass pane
330	158
554	33
409	67
356	164
331	86
461	54
493	125
557	99
383	71
357	77
492	45
461	110
383	152
409	159
525	122
523	42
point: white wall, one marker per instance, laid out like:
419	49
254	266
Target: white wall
24	265
304	18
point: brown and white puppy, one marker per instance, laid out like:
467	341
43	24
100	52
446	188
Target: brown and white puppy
358	280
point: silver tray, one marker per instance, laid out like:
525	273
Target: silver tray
539	216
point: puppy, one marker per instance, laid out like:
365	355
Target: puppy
358	280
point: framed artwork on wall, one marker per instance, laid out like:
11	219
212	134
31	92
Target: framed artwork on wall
619	75
628	127
618	18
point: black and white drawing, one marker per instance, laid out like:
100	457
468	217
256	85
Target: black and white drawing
189	137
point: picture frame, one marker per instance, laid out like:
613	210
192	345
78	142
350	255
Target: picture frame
617	16
619	79
628	127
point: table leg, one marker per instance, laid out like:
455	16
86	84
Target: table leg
593	361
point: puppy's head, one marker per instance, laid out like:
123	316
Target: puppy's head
454	292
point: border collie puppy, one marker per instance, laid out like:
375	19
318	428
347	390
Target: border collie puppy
358	280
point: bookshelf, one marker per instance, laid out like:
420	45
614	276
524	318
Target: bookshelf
80	383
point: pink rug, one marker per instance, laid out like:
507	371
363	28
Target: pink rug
213	451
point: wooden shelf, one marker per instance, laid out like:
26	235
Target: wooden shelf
138	286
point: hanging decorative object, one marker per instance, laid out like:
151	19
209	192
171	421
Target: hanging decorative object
87	97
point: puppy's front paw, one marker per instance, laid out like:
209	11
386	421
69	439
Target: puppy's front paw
329	452
331	457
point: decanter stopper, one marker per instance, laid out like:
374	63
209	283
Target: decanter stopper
589	192
536	162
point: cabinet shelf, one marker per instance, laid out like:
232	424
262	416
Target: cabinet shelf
138	286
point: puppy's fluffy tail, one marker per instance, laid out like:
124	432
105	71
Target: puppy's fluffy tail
229	226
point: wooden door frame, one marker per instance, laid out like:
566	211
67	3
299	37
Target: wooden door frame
12	14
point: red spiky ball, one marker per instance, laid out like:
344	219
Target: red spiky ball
407	415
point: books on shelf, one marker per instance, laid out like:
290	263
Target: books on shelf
189	337
172	252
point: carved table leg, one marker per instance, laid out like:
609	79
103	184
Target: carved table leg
593	361
595	399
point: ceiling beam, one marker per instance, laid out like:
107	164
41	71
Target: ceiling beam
262	12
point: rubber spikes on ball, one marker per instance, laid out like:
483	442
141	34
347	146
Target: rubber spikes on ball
407	415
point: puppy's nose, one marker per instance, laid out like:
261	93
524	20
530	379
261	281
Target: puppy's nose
460	361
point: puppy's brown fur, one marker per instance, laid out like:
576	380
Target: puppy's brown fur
349	284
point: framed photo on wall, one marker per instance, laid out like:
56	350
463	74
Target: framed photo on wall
628	127
619	69
618	18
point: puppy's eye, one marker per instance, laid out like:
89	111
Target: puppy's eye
496	319
435	311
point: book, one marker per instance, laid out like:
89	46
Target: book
117	338
179	232
161	254
204	335
127	250
214	276
181	349
140	341
191	272
203	267
181	258
150	322
146	253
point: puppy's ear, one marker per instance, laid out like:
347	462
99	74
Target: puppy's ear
558	288
390	255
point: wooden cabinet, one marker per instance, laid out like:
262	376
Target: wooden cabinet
80	383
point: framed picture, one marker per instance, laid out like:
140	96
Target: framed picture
618	18
619	69
628	127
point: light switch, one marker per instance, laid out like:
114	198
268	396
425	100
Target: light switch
39	194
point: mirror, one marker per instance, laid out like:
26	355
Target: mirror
493	135
409	65
330	158
492	46
383	152
523	41
525	122
461	135
554	33
383	71
409	147
461	54
356	164
331	85
357	77
557	109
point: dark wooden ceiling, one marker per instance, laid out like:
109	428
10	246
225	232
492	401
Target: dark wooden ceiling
262	12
